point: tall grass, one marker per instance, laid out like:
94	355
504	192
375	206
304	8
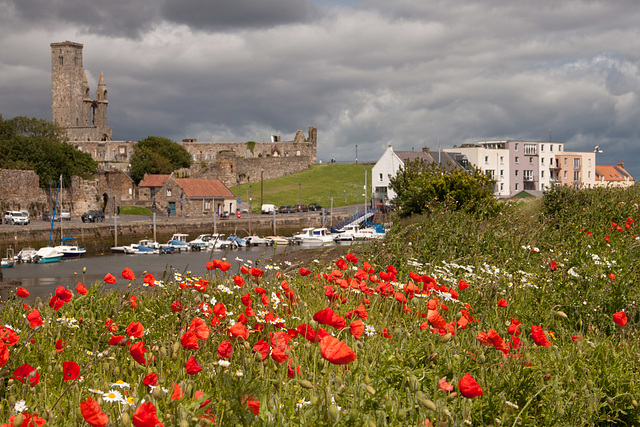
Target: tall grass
566	268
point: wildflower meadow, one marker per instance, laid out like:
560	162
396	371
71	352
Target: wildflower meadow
524	317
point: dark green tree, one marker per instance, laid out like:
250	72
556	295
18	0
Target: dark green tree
421	188
157	155
41	146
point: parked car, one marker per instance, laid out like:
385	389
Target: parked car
65	214
314	207
301	208
286	209
47	216
16	217
93	216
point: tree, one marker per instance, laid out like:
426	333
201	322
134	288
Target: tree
41	146
157	155
422	187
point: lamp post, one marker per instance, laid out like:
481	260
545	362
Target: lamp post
249	213
299	193
356	154
261	187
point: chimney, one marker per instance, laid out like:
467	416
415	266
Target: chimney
621	164
425	149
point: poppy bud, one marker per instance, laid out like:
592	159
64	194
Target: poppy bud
156	392
333	412
367	380
427	403
17	422
452	396
370	389
634	403
314	399
446	337
125	420
306	384
84	270
185	423
562	314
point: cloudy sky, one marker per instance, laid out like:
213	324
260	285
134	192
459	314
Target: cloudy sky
410	73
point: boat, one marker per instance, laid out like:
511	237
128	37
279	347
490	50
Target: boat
25	255
313	235
353	232
232	242
47	255
202	241
279	240
9	261
146	247
178	242
257	241
217	241
69	250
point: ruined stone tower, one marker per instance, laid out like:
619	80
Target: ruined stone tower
72	108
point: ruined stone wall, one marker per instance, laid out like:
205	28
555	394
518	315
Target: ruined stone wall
106	151
21	191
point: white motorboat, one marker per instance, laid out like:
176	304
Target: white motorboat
202	241
313	235
69	250
143	247
257	241
232	242
47	255
9	261
279	240
217	241
25	255
178	242
353	232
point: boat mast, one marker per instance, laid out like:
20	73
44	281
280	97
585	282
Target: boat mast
55	206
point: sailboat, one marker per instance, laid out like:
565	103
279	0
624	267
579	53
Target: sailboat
70	250
50	254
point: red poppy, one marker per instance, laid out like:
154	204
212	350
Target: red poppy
385	333
28	420
149	279
81	289
128	274
70	371
620	318
55	303
64	294
137	352
304	271
110	325
193	367
145	416
351	258
502	303
262	347
4	354
177	392
468	387
612	276
200	328
26	373
435	319
22	292
576	338
254	406
119	340
93	414
176	306
225	266
462	285
356	328
256	272
239	331
220	310
34	319
336	351
225	350
341	264
553	265
151	379
279	355
244	269
189	341
135	329
444	385
60	346
539	336
133	301
238	280
110	278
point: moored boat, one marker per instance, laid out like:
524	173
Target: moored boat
69	250
47	255
313	235
8	262
25	255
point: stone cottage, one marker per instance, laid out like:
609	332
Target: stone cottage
194	197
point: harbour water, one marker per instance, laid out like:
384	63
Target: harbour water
41	280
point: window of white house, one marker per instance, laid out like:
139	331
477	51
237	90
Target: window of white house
551	147
542	160
528	175
589	174
501	159
501	186
541	174
576	175
559	147
576	163
541	147
589	162
501	172
380	177
486	159
168	192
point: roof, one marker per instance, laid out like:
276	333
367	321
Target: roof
152	180
201	188
612	173
447	160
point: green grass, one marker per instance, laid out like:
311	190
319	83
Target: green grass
318	184
134	210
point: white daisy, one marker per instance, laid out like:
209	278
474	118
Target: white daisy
120	384
112	396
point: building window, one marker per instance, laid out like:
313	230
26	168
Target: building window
565	161
501	186
541	148
515	148
516	172
576	175
589	162
528	175
542	160
530	149
589	174
530	160
490	173
501	173
576	163
501	159
207	205
486	159
516	160
168	192
541	174
516	186
61	58
559	147
551	147
380	177
565	174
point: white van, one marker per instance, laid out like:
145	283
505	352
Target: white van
268	209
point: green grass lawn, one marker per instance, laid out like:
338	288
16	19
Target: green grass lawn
318	184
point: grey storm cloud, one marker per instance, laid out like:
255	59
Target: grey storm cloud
370	73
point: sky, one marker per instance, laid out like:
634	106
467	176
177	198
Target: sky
366	74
